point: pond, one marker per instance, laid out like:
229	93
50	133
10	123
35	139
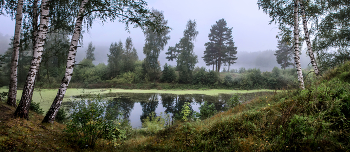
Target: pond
134	107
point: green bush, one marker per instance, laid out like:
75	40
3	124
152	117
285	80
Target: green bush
87	123
168	74
152	123
228	81
234	101
61	116
207	110
200	77
212	77
3	96
36	108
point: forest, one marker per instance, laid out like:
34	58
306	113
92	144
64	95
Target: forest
295	105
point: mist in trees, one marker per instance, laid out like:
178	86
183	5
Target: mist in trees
90	52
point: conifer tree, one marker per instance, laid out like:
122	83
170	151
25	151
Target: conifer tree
90	52
220	48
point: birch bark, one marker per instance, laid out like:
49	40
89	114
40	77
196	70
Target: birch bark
11	100
51	114
307	38
296	44
23	107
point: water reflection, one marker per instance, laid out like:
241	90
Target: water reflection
136	107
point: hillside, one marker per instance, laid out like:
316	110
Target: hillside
314	119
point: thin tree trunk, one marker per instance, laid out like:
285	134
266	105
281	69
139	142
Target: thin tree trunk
23	107
11	100
296	45
229	67
51	114
307	38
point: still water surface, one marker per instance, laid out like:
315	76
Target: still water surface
137	106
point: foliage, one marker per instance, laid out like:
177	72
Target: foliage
313	119
234	101
186	112
87	123
154	43
3	96
183	53
61	116
168	74
152	124
284	54
207	110
115	64
90	52
36	107
220	48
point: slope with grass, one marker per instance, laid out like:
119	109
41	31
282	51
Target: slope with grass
314	119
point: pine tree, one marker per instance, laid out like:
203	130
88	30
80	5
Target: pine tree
90	52
220	48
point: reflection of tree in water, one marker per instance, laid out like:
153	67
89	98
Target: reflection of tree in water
168	102
175	103
149	106
118	106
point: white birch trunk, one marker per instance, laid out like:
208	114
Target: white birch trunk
307	38
296	44
11	100
51	114
23	107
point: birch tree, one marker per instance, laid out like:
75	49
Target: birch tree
286	14
307	38
11	100
51	114
128	12
23	107
296	44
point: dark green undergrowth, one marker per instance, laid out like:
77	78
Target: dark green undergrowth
314	119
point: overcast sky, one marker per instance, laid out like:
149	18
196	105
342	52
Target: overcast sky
251	30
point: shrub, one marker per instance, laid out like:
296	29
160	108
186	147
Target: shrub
168	74
228	81
152	123
61	115
234	101
200	77
36	108
3	96
88	123
207	110
212	77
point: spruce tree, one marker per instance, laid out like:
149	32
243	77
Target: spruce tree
90	52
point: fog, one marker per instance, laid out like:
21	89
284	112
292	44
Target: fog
252	33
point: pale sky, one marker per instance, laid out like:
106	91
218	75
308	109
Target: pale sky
251	30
